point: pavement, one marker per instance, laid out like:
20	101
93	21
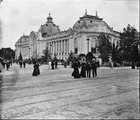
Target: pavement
55	94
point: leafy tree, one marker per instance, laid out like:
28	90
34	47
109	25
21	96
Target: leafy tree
109	50
71	57
116	53
7	53
129	37
47	55
104	47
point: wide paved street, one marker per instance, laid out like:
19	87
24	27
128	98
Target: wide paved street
114	93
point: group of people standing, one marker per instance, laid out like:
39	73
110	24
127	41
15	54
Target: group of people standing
6	64
53	64
87	67
22	62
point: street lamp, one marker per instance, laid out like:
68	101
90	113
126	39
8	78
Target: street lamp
50	48
88	43
29	51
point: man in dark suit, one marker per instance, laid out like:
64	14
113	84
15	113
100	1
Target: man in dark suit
88	67
94	67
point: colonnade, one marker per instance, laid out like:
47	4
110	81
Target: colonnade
59	47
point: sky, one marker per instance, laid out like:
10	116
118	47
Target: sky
23	16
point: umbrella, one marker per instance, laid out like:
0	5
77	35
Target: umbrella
90	56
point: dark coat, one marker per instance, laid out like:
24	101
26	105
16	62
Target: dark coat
75	73
36	70
83	70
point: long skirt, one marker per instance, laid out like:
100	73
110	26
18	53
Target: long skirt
75	73
83	72
35	72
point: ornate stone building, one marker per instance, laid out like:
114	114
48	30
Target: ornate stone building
81	38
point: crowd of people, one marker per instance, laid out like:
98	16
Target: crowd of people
88	67
5	64
82	67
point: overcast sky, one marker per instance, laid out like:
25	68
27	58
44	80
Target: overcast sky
24	16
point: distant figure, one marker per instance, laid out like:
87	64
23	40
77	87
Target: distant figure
52	64
3	63
20	63
56	64
94	66
83	69
7	65
24	63
49	65
133	65
1	66
75	66
36	70
65	64
111	64
138	64
88	66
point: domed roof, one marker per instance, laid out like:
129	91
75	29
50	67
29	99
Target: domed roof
91	23
49	27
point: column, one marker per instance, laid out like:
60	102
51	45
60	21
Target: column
63	47
60	47
66	47
54	47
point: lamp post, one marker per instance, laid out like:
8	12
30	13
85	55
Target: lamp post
50	48
88	44
29	52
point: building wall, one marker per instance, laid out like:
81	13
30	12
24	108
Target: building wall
62	43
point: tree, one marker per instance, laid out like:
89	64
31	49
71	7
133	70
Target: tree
104	47
47	55
7	53
71	57
116	53
129	37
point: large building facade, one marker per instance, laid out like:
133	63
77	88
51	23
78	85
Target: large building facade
81	38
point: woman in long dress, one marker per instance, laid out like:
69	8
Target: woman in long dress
83	67
36	70
75	66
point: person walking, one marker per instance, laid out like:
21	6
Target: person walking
88	68
83	69
75	66
133	65
94	66
52	64
7	65
56	64
24	63
36	70
65	64
20	63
